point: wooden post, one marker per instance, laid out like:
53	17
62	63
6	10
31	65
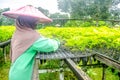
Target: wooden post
108	61
80	74
61	74
4	53
103	73
35	75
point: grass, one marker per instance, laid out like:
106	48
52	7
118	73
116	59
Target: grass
96	74
4	70
49	76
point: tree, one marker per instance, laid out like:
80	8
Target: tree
4	20
115	10
44	11
99	9
64	5
96	9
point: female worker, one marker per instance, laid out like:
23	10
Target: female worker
26	41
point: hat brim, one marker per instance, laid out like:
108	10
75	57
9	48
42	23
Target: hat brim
27	11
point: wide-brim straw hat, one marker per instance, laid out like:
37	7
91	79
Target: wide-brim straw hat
28	10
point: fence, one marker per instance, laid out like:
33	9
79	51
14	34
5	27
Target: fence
61	22
71	59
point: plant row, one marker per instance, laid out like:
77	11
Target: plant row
103	39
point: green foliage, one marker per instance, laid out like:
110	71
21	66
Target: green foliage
75	38
86	24
50	64
4	20
90	37
7	21
58	16
68	75
73	23
103	39
95	9
78	23
44	11
64	5
96	74
4	70
49	76
6	32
